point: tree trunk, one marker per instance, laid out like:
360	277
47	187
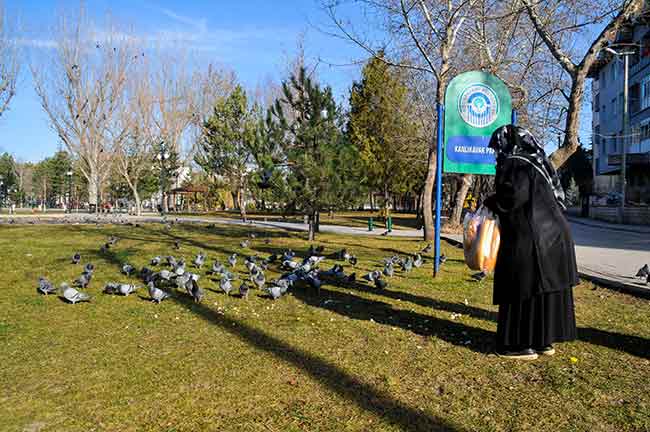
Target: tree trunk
317	220
93	191
312	227
571	143
427	199
460	198
241	205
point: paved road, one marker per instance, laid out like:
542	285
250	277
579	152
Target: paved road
606	253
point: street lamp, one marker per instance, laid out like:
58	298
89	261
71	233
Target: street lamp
626	121
162	156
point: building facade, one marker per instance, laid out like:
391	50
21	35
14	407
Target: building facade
608	137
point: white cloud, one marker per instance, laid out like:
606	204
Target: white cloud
200	25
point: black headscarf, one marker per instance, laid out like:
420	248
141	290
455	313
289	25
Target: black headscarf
514	142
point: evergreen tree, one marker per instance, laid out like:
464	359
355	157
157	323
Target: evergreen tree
319	164
228	142
383	128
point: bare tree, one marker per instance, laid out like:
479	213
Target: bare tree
172	112
134	132
423	35
557	22
9	62
80	87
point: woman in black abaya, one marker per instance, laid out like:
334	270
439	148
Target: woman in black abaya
536	266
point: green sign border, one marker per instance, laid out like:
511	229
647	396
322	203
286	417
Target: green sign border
456	126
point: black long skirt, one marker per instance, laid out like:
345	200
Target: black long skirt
537	321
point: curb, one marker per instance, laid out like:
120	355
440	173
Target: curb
589	276
611	228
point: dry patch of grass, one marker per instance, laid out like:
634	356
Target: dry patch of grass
414	357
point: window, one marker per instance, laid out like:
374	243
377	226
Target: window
635	102
645	93
614	107
614	65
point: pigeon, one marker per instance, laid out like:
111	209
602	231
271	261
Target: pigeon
244	289
128	269
157	295
165	275
126	289
426	249
252	235
385	233
155	261
479	276
194	290
171	261
353	260
418	261
177	244
380	283
112	240
407	264
275	292
76	258
104	248
232	260
244	244
258	280
226	285
111	288
443	259
643	272
217	267
389	270
89	268
199	260
72	295
288	255
290	265
146	273
84	280
372	276
45	287
314	281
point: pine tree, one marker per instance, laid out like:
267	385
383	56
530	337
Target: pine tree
318	163
383	128
228	144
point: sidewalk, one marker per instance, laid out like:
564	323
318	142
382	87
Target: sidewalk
637	229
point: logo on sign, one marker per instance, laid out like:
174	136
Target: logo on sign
478	105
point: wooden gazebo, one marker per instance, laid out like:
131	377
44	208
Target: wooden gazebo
197	194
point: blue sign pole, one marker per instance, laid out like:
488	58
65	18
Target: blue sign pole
440	110
513	117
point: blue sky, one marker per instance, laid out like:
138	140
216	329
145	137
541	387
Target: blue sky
255	38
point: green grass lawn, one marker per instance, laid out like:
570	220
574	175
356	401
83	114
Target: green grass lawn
414	357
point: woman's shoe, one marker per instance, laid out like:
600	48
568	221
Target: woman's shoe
546	350
524	354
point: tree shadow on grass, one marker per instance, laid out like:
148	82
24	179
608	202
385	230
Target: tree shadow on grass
634	345
364	395
355	307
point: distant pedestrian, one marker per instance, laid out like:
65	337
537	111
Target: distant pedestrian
536	265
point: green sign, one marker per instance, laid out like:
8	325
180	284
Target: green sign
476	104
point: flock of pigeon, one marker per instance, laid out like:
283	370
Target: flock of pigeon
173	274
